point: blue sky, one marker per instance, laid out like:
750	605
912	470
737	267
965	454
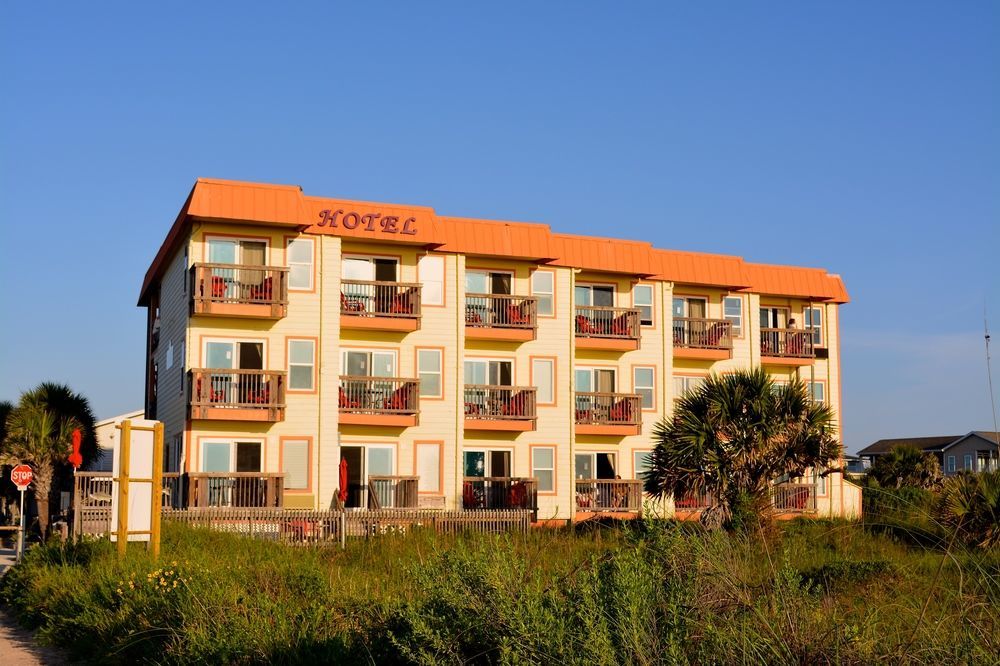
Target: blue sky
860	137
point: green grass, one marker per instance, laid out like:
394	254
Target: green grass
811	592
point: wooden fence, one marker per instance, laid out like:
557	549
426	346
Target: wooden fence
303	526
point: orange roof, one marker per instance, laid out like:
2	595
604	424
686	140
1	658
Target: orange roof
794	281
285	205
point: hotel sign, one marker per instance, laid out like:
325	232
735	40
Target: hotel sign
373	222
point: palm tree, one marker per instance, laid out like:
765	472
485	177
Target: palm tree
970	505
733	436
906	466
39	432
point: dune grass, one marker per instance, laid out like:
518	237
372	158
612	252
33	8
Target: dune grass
649	593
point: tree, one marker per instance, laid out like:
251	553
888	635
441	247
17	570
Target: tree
970	505
736	434
39	432
906	466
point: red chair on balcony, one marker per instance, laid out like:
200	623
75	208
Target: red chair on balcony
620	327
399	400
351	304
517	317
262	292
473	409
347	402
215	395
218	286
401	305
518	495
515	406
470	498
584	415
621	412
259	397
472	317
584	326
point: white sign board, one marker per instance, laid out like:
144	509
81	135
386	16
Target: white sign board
139	492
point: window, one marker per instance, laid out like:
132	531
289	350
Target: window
369	363
820	481
773	317
640	463
482	372
430	269
595	380
643	379
543	467
224	456
642	298
543	378
732	310
684	384
951	464
301	365
295	463
813	321
428	467
967	462
300	263
481	282
543	288
240	252
429	372
492	462
594	295
594	466
693	308
817	391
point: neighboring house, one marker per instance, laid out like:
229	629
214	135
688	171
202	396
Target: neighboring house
108	438
975	451
452	362
854	464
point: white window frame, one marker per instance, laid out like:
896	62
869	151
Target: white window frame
487	362
311	264
312	366
685	309
235	343
423	268
537	468
551	372
593	377
647	453
551	293
232	450
640	306
371	363
439	372
967	463
590	287
423	446
809	324
812	391
950	461
737	320
593	461
489	273
239	249
687	380
371	260
638	388
487	464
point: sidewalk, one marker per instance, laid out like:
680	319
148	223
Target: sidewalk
17	646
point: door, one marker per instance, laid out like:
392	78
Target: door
380	462
771	342
595	295
355	456
482	282
491	373
368	394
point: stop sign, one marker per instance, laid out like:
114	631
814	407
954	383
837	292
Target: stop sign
21	476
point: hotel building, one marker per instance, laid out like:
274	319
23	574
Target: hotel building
451	362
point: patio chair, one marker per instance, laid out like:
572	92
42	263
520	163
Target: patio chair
348	402
516	316
397	401
263	291
351	304
585	326
619	326
621	412
218	286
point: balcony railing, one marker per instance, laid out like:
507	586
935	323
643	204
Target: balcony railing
607	322
225	288
697	333
239	489
379	395
786	343
617	409
365	298
499	492
694	501
793	497
609	495
253	394
392	492
500	403
500	311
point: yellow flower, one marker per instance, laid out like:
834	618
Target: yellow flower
119	590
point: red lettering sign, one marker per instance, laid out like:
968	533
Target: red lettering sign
367	222
21	476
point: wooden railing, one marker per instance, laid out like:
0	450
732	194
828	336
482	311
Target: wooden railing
243	389
609	495
365	298
379	395
501	311
500	403
794	497
786	342
694	501
235	283
703	333
92	500
608	409
392	492
607	322
240	489
499	492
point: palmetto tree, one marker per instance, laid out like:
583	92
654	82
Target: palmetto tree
906	466
733	436
970	504
39	432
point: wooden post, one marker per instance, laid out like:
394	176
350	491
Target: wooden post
156	491
123	472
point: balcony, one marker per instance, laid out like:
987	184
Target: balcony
608	414
499	492
503	408
234	489
793	498
379	306
786	346
231	290
392	492
703	339
379	401
221	394
608	495
500	317
606	328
